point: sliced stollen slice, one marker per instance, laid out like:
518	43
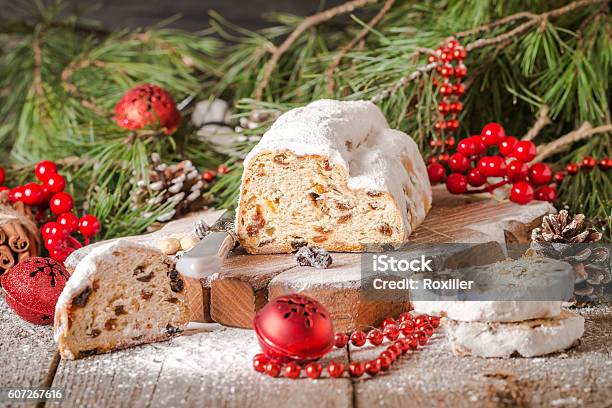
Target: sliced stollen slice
120	295
529	338
506	291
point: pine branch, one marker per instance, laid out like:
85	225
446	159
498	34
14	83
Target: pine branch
542	121
308	22
358	38
564	142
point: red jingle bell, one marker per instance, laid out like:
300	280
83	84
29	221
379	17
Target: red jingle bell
32	288
294	328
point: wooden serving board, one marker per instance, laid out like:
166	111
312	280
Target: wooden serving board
246	282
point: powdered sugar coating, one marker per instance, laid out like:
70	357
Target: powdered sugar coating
356	136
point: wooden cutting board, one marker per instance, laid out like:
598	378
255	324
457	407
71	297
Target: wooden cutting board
246	282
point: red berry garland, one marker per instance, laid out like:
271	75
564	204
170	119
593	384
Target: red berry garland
405	334
50	195
451	71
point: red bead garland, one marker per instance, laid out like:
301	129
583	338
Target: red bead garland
406	334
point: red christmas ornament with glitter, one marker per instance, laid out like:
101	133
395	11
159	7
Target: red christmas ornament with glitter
294	328
147	106
32	288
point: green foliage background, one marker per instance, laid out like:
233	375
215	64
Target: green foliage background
60	76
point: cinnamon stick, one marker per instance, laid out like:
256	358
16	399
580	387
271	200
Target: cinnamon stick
18	238
7	260
2	236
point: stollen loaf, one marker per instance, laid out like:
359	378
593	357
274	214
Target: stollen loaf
332	174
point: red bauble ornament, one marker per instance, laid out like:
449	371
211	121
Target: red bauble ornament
387	321
407	327
384	362
313	370
572	168
32	194
517	171
89	225
145	106
540	174
32	288
272	369
456	183
492	134
340	340
356	369
545	193
335	369
391	332
372	367
434	321
294	328
69	221
55	183
588	163
292	370
61	203
525	151
44	169
475	178
521	192
458	162
436	172
2	176
506	145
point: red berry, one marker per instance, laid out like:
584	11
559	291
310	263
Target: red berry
481	147
540	174
335	369
456	183
545	193
446	89
2	175
259	363
431	59
458	163
521	192
492	134
506	145
492	166
60	254
292	370
16	194
475	178
358	338
89	225
559	176
443	158
604	164
517	171
69	221
32	194
208	176
55	183
459	53
391	332
272	369
372	367
458	89
54	230
456	107
452	124
452	44
444	108
525	150
223	170
588	163
375	337
572	168
436	172
61	203
44	169
356	369
460	71
449	142
313	370
54	242
467	146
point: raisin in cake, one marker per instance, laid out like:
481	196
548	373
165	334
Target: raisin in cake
334	175
120	295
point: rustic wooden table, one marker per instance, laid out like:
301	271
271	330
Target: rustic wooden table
210	366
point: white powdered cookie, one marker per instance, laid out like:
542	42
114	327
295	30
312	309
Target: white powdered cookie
121	294
334	175
506	291
528	339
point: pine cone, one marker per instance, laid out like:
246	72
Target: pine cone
570	239
179	184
